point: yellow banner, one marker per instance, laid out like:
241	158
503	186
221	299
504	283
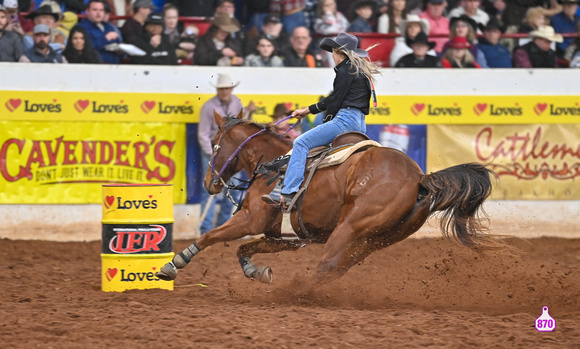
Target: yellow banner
533	162
133	204
165	107
68	162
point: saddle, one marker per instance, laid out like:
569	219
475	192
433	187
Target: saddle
341	148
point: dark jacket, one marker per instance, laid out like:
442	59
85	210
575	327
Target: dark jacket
410	61
496	56
291	59
36	56
10	47
349	91
531	54
164	54
207	54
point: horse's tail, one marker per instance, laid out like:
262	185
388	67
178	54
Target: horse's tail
459	192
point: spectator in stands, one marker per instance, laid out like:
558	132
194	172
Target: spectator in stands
10	45
272	29
41	52
464	26
458	55
216	46
438	24
47	15
496	55
291	13
419	58
133	27
515	11
224	103
535	18
363	12
68	21
79	48
187	42
470	8
390	21
171	24
265	55
571	50
537	53
195	8
280	112
310	7
228	7
13	19
101	33
409	29
159	51
565	22
299	54
328	20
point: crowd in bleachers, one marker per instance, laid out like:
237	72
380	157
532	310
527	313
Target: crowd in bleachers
277	33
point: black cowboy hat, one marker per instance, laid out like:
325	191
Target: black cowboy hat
43	10
464	18
360	3
493	23
344	40
421	38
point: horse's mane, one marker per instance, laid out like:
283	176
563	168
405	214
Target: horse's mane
231	122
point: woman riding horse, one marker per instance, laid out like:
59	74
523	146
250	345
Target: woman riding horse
346	108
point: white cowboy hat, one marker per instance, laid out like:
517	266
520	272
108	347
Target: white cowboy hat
411	18
546	32
225	81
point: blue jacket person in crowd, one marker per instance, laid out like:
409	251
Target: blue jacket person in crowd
346	107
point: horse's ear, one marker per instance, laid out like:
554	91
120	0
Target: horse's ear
219	120
241	114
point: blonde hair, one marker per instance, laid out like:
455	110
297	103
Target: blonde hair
532	13
361	65
468	58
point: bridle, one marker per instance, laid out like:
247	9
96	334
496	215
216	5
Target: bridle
217	147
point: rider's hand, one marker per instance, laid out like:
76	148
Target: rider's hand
300	113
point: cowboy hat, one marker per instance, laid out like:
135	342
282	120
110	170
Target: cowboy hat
546	32
225	81
460	42
492	24
464	18
360	3
44	10
421	38
225	22
412	18
344	40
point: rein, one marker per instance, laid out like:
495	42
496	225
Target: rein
217	179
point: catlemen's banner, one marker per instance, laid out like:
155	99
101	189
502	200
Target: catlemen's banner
532	162
68	162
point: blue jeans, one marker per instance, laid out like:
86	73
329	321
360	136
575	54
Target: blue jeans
292	21
226	206
348	119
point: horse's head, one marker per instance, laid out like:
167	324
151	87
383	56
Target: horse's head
224	161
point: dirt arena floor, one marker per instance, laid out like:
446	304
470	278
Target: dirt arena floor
418	293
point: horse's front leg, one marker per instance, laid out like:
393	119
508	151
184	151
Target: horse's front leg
236	227
264	245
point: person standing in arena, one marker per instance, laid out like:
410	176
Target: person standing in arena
346	108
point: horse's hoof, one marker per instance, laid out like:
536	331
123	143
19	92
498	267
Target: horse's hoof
167	272
264	275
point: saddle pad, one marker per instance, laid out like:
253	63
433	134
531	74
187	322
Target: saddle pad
340	155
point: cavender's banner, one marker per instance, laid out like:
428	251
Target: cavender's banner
532	162
67	162
185	107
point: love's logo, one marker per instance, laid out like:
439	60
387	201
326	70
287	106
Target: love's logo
147	106
13	104
81	105
110	274
417	108
540	107
480	108
109	201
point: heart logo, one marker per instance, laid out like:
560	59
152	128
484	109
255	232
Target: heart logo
480	108
417	108
13	104
111	272
147	106
81	105
109	201
540	107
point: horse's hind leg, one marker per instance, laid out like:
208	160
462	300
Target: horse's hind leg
264	245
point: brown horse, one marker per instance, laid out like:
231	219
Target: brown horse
376	198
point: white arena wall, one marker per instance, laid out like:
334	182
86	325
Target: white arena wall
520	218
